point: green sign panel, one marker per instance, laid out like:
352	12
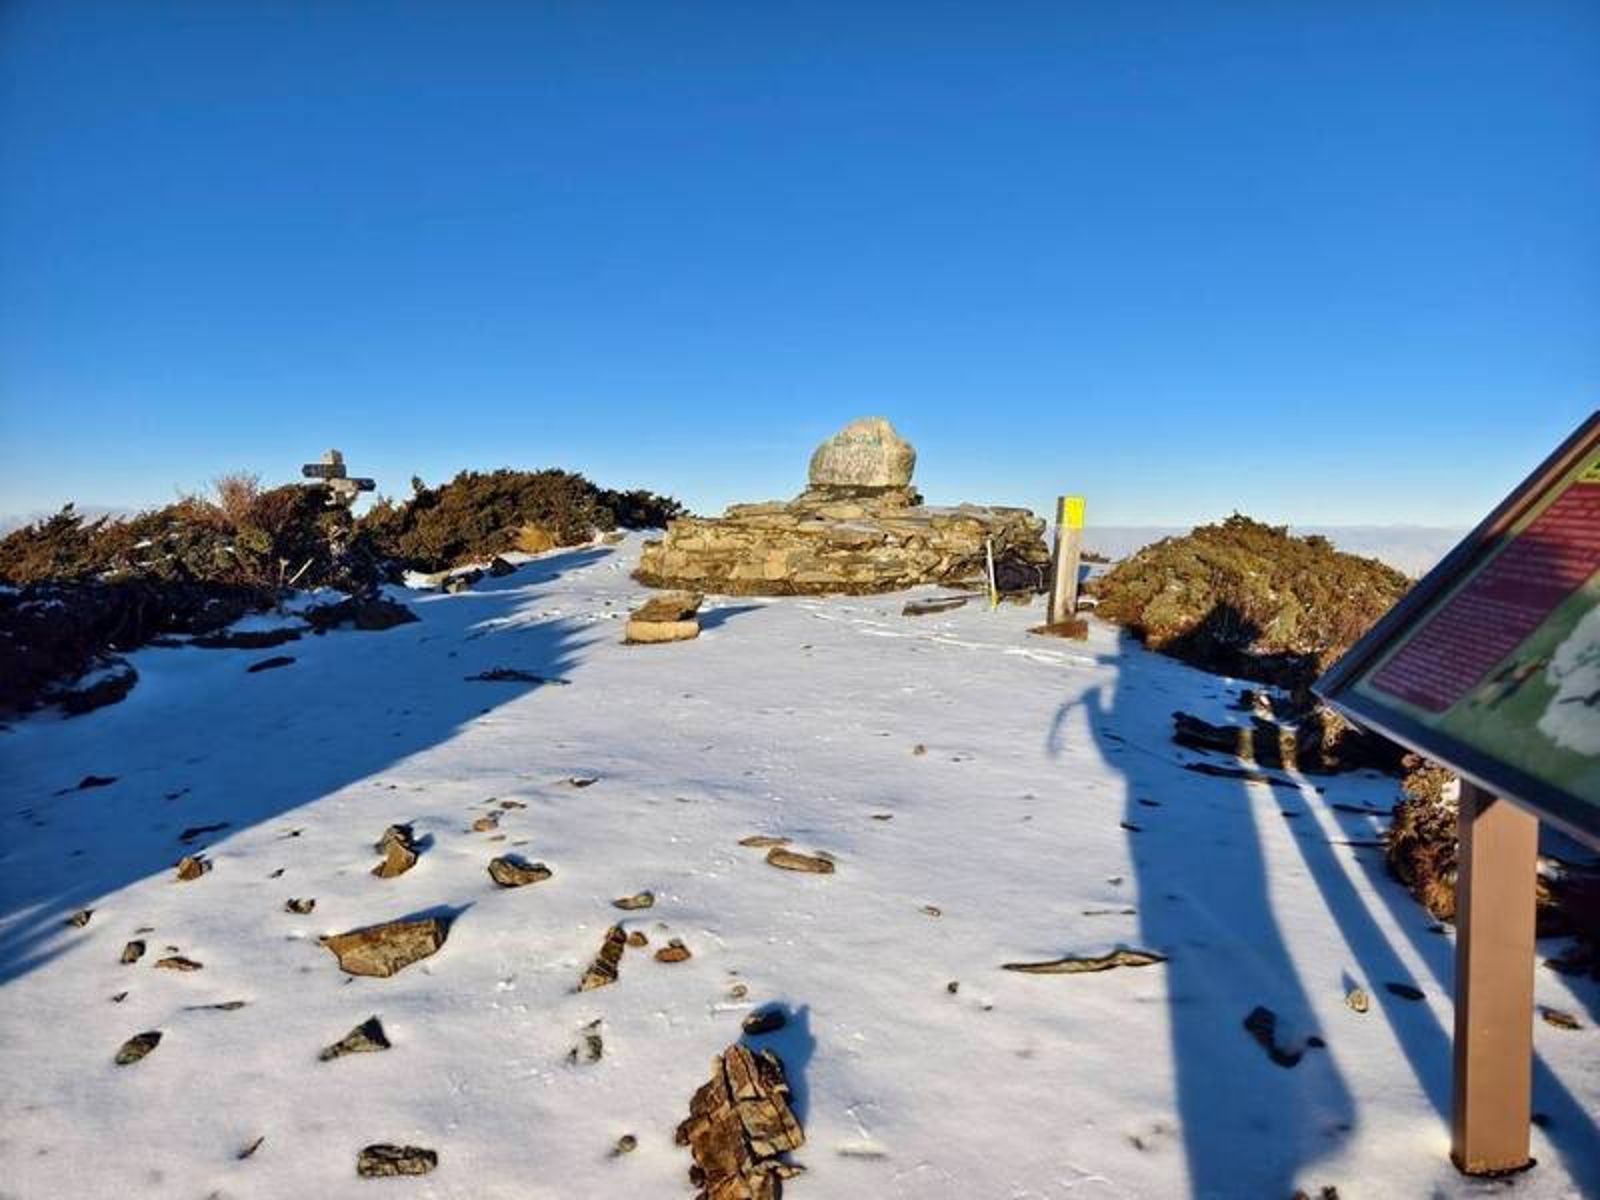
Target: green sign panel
1491	664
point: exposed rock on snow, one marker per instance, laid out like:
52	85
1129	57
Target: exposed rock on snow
133	951
674	951
591	1047
738	1125
399	849
669	617
793	860
637	939
1262	1025
603	970
766	1020
366	1038
136	1047
635	902
1072	964
80	918
383	1159
371	614
270	664
302	907
382	950
510	871
177	962
191	867
760	841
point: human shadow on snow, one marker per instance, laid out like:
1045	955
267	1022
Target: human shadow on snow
250	748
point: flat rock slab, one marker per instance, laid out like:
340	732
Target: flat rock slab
382	950
136	1047
669	607
366	1038
1072	964
646	633
191	867
270	664
793	860
399	850
383	1159
511	872
635	902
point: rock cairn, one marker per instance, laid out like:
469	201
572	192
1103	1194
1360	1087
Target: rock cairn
859	527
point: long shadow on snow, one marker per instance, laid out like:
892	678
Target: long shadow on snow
795	1045
249	748
1248	1126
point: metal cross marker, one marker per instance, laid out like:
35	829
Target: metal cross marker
331	473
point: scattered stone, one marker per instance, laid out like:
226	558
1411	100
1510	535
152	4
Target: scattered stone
739	1124
270	664
177	962
669	606
80	918
457	584
192	866
883	816
638	940
252	639
382	950
512	675
1558	1018
933	910
119	997
1131	827
371	615
591	1045
738	991
301	907
636	901
195	831
246	1151
919	750
510	871
223	1006
399	850
107	685
486	824
367	1037
674	951
383	1159
580	781
765	1020
603	970
1404	990
1262	1024
928	608
509	804
90	781
791	860
760	841
499	568
626	1144
133	951
1357	1000
136	1047
953	986
1075	965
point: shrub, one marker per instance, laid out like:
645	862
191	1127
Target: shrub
1248	599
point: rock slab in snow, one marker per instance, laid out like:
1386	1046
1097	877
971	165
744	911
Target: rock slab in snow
382	950
738	1125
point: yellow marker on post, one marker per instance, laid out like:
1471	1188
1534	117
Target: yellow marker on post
1069	546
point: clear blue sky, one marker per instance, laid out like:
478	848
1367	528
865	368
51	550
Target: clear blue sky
1331	262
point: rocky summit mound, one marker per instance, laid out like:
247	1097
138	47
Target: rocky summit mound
859	527
1248	599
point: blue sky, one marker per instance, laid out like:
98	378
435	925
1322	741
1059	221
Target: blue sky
1332	263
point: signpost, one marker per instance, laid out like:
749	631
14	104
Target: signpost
342	489
1491	665
1069	548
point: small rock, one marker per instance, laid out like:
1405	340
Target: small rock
119	997
637	939
223	1006
382	950
919	750
246	1151
1356	998
791	860
486	824
270	664
1558	1018
626	1144
603	970
674	951
636	901
738	991
510	871
1075	965
399	850
580	781
933	910
499	568
138	1046
365	1038
177	962
192	866
591	1045
1404	990
766	1020
760	841
80	918
953	986
669	606
299	906
1262	1024
383	1159
133	951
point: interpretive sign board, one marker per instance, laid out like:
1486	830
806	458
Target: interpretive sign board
1491	664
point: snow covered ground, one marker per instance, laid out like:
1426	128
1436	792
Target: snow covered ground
1024	790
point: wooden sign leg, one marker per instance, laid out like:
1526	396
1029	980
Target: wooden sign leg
1493	1086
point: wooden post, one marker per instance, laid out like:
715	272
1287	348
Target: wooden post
1069	546
1493	1085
